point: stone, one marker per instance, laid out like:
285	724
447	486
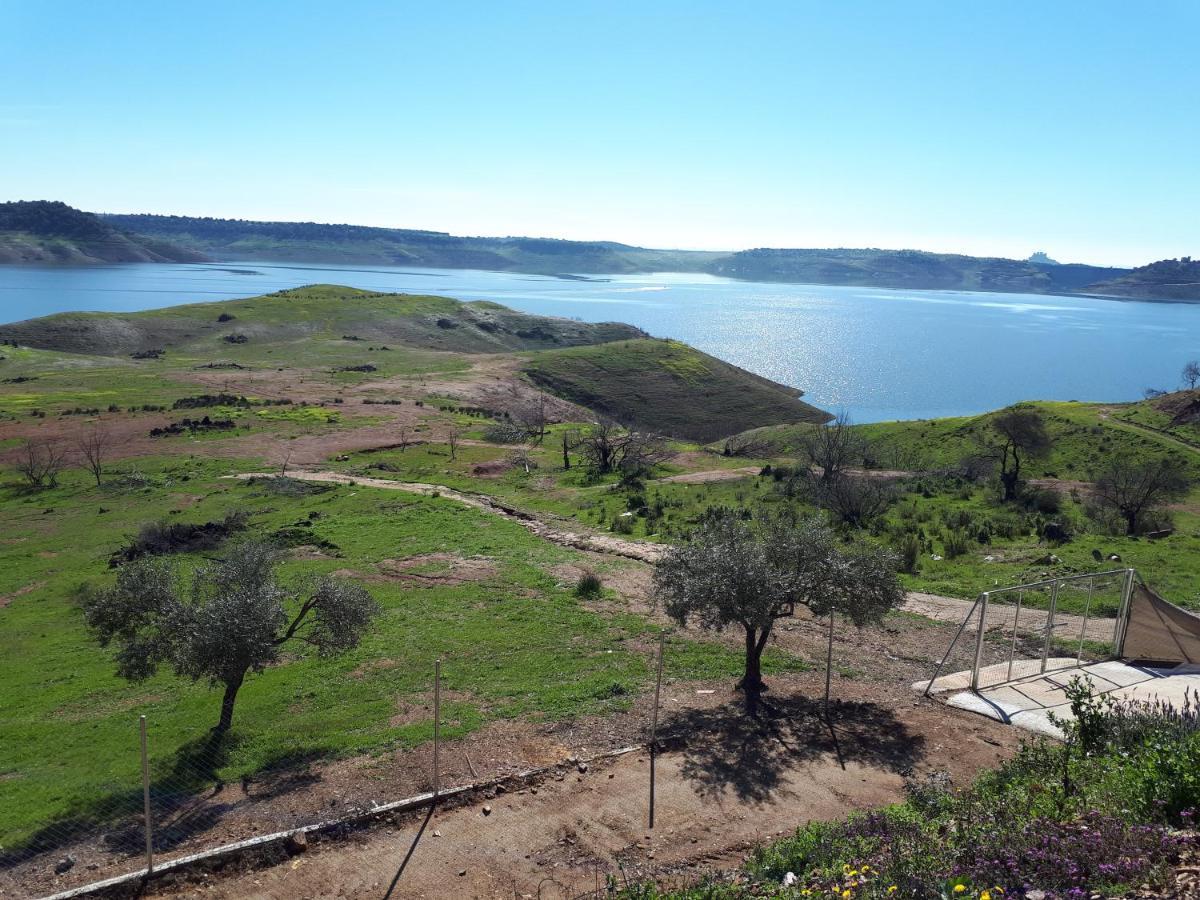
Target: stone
296	843
487	810
64	865
583	767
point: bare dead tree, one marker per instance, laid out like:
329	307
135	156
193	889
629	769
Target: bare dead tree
287	458
855	500
1191	374
41	461
1134	488
569	439
607	447
532	417
453	432
94	446
402	437
833	447
522	457
746	444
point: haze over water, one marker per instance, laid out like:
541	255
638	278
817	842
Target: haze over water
878	354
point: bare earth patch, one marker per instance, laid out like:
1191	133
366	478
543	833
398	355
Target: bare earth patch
439	568
6	599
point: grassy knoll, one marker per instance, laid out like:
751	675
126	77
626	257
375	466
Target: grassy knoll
516	641
669	387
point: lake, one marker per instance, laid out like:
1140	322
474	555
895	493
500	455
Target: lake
877	354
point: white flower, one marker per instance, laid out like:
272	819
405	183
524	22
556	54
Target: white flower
789	879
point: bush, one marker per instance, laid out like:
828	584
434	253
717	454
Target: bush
957	544
910	553
589	586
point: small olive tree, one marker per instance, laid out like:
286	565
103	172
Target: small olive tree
748	574
231	620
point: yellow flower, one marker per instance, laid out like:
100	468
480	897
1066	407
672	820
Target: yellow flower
846	894
986	895
959	888
893	889
866	868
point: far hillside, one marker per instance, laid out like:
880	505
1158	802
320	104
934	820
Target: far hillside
669	387
1168	279
235	239
910	269
46	232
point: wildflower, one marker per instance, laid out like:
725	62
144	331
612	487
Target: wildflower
959	888
893	889
985	895
789	879
846	894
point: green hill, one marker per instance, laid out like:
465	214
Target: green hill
307	318
668	387
1084	435
49	232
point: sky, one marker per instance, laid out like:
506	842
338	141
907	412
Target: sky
990	128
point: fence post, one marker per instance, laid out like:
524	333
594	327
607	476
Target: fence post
983	606
146	799
437	726
1123	614
1050	625
662	639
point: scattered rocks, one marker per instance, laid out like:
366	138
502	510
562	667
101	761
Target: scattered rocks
487	809
64	865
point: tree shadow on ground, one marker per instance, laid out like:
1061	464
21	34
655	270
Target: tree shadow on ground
728	750
187	798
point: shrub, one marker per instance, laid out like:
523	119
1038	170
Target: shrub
957	544
589	586
910	553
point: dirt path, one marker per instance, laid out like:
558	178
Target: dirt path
725	783
599	543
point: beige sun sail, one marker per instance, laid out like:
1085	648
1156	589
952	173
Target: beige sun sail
1160	631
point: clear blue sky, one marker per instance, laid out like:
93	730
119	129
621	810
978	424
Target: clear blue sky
981	127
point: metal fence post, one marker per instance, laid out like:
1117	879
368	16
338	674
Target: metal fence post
437	726
662	639
983	606
1050	625
1123	614
146	799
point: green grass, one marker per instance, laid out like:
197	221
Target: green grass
668	387
516	644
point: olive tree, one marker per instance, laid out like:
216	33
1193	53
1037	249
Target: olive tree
733	572
230	619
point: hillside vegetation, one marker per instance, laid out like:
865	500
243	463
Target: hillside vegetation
668	387
46	232
239	328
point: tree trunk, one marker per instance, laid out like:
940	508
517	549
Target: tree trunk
1131	523
752	683
231	691
1008	480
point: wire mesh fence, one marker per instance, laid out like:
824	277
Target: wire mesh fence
1026	630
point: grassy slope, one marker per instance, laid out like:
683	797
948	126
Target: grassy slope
517	643
1085	436
669	387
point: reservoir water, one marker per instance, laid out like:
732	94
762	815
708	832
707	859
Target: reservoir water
877	354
